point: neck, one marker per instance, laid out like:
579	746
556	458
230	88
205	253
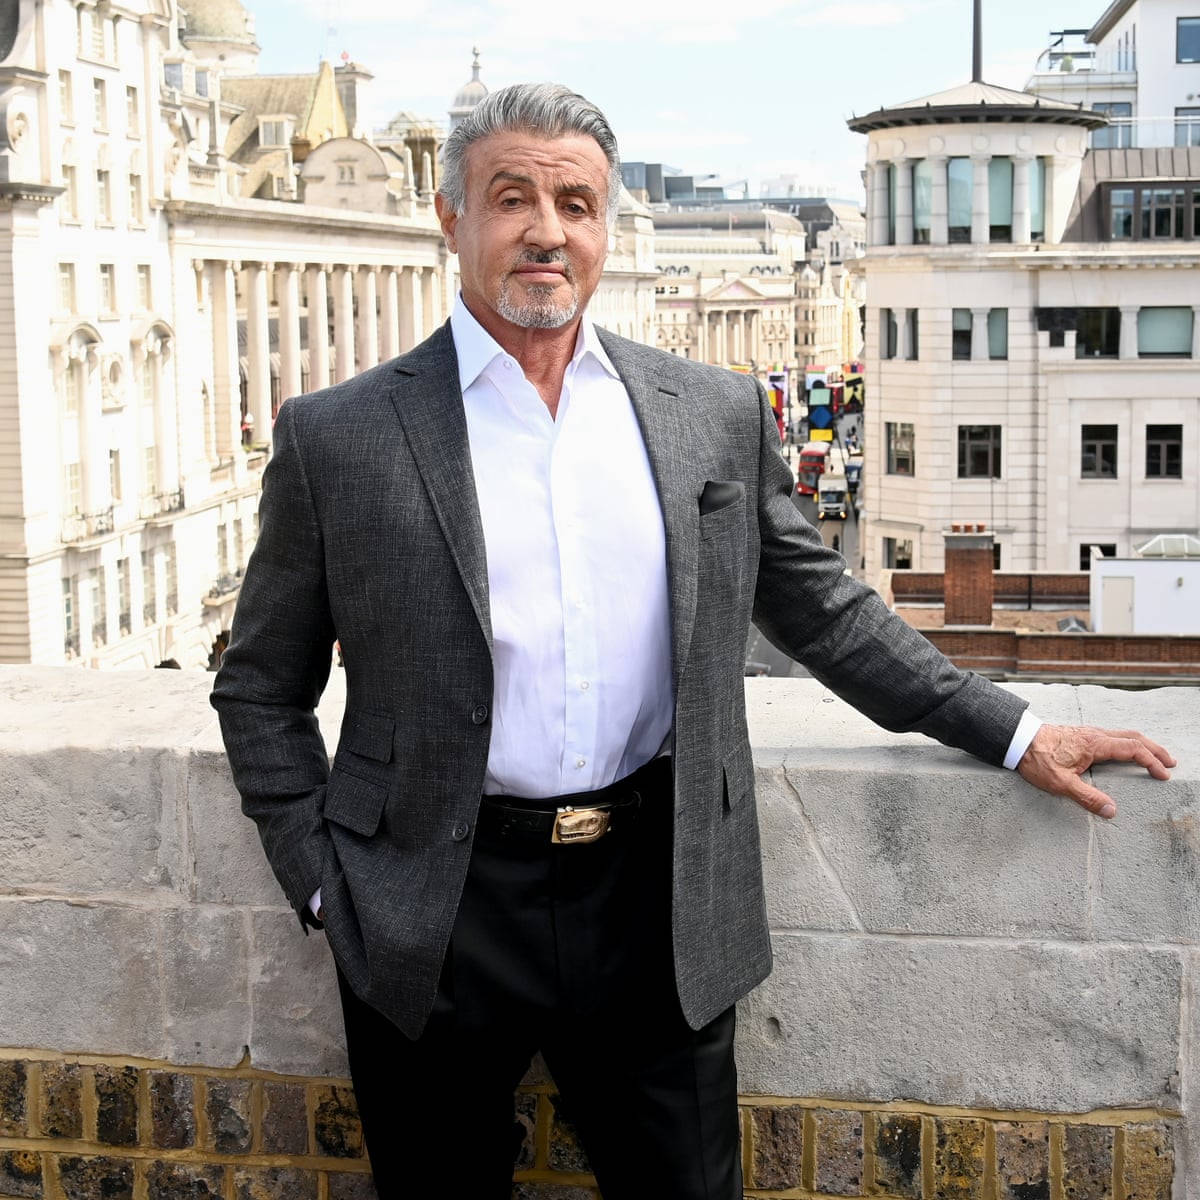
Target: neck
542	353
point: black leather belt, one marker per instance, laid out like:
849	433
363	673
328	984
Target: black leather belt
578	818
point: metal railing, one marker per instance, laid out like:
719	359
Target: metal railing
78	526
1133	133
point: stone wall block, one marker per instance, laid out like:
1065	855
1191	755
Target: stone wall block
953	1022
227	1111
172	1110
1023	1160
1149	1162
21	1174
184	1181
116	1105
897	1154
839	1151
566	1150
525	1121
958	1159
295	1030
205	958
95	1178
284	1119
14	1104
1088	1162
80	978
346	1185
777	1146
918	865
275	1183
338	1129
62	1100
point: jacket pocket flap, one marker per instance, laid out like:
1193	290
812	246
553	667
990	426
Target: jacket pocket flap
738	765
369	735
354	803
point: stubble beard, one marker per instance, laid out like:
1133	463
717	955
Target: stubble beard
539	309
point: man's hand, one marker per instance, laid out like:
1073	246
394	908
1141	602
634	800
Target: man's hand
1060	754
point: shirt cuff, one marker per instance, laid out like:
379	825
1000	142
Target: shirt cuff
315	901
1027	729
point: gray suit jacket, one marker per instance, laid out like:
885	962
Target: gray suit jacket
370	533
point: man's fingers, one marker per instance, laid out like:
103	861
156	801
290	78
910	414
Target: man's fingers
1119	747
1089	797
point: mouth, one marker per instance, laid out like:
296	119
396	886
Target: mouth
540	273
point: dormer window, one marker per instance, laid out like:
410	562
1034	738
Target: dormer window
345	173
273	131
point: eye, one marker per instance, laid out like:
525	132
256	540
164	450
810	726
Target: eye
576	208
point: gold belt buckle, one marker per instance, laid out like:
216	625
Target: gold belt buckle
579	825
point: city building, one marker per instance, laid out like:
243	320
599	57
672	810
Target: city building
1032	335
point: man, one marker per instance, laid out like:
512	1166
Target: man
540	548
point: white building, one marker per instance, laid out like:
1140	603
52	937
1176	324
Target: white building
1032	335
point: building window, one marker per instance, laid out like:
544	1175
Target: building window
272	133
1162	212
960	336
69	203
173	75
99	104
912	327
201	78
114	474
995	556
1164	451
1098	452
1108	549
172	573
345	172
222	551
132	112
887	333
239	545
73	488
66	287
959	182
149	602
891	204
1187	39
901	458
997	333
108	288
135	199
66	98
70	621
103	195
922	185
1155	211
1098	333
124	597
897	554
1165	332
1118	136
99	606
150	470
1000	196
1120	203
1187	127
979	452
145	296
1037	200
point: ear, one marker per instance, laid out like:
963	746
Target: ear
448	219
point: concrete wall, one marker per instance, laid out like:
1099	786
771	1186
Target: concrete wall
1166	593
943	934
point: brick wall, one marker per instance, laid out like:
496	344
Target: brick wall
103	1128
1010	588
968	578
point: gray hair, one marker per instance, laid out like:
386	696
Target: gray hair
547	110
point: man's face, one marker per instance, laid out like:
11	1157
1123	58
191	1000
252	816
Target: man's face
533	233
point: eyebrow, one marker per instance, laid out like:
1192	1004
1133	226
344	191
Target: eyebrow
568	189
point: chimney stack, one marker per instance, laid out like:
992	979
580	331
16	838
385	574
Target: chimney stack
967	582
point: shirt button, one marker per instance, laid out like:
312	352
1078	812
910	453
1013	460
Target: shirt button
584	685
460	831
479	714
581	762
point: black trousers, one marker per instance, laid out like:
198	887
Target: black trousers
566	950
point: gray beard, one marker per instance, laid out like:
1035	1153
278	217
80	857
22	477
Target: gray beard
540	311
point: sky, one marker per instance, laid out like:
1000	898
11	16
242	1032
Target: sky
745	89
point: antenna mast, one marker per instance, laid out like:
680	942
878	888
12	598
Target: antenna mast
977	56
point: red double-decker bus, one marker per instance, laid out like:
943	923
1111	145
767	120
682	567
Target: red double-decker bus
814	462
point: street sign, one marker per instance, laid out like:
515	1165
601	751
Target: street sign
820	435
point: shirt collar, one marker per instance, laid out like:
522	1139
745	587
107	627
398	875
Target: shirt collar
477	349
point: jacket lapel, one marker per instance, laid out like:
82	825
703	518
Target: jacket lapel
429	403
664	421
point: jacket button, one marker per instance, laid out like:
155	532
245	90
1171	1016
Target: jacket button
479	714
460	831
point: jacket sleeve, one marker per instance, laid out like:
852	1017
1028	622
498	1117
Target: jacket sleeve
274	670
842	631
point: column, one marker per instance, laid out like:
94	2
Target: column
343	322
166	464
1022	212
1196	332
1055	185
1129	339
981	233
702	338
879	226
367	343
724	337
428	292
411	314
743	353
227	393
389	315
903	342
258	351
939	201
979	334
287	294
904	202
318	328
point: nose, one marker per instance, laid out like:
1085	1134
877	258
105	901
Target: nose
545	229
